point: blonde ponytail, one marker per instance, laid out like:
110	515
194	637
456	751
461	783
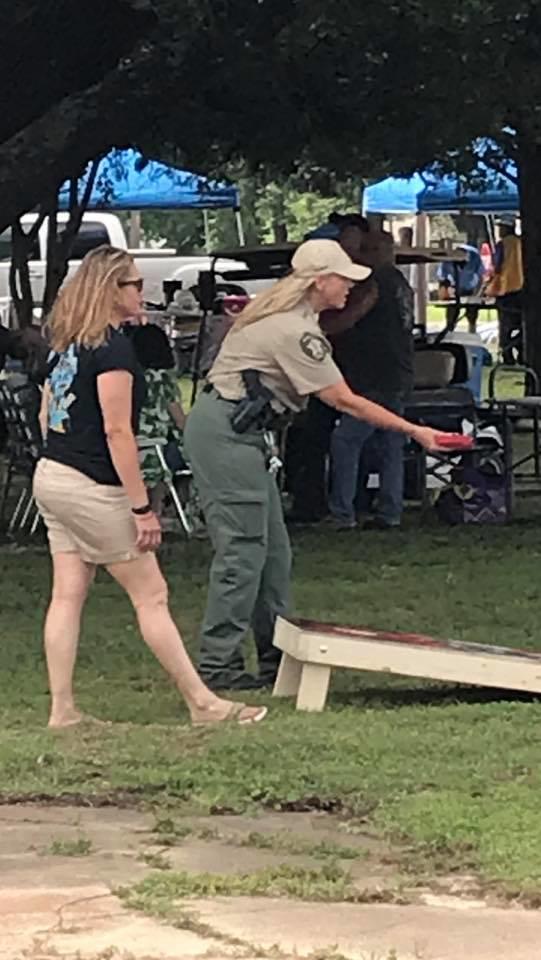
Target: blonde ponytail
283	295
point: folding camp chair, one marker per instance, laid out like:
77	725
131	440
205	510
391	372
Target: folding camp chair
24	446
179	484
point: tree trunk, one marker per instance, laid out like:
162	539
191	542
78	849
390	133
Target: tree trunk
280	232
59	247
52	267
20	287
529	166
19	277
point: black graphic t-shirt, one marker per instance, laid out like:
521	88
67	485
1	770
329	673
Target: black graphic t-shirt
75	431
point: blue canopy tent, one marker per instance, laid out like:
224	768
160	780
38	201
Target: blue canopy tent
395	195
124	181
432	192
487	192
496	193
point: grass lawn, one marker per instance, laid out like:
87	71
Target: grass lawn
453	772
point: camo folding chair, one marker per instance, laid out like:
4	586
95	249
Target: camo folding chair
23	450
178	483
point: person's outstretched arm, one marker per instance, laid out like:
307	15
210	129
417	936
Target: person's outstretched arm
43	415
342	398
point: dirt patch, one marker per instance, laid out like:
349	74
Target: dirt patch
125	799
130	798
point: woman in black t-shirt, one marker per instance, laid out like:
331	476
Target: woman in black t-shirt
89	487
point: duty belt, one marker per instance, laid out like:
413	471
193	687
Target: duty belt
210	388
272	458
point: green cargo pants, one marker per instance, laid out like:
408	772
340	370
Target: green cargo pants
250	572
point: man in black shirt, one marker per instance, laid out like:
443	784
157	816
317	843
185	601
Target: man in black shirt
309	444
376	357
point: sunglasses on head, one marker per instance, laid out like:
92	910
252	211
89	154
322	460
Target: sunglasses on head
138	284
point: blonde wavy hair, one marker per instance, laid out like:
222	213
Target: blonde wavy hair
85	305
283	295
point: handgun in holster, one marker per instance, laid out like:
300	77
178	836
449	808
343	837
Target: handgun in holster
255	408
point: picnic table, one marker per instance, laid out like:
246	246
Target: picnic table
468	307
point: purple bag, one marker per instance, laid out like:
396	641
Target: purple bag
475	495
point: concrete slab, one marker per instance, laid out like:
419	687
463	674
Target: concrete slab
120	840
28	834
378	931
202	856
88	923
62	908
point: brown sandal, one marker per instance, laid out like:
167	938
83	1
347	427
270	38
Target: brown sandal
235	715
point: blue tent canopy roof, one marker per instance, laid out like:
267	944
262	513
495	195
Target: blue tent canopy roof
394	195
496	195
126	182
431	192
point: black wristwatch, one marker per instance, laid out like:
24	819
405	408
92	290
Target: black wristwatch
142	511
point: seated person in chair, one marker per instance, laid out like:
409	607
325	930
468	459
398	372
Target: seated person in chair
162	417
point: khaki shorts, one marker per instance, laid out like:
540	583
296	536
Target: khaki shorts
83	516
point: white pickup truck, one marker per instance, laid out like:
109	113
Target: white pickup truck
155	265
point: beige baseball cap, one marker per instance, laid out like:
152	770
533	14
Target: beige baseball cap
320	257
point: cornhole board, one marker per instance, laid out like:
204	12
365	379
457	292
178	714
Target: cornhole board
311	650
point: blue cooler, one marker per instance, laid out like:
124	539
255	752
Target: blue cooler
477	359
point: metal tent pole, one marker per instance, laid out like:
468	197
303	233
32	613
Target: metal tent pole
135	229
206	225
421	240
240	227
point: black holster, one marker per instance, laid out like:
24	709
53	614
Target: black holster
255	409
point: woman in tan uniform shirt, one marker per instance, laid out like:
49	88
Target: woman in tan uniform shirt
279	336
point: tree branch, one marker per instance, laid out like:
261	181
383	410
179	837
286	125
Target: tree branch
59	247
34	162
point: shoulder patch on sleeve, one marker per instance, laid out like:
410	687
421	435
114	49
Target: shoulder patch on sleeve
315	347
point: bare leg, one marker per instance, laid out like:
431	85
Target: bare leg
71	580
144	583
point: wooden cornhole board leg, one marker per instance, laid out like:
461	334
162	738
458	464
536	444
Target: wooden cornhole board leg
314	687
289	677
309	682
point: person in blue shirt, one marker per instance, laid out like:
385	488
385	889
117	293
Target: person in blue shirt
469	276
